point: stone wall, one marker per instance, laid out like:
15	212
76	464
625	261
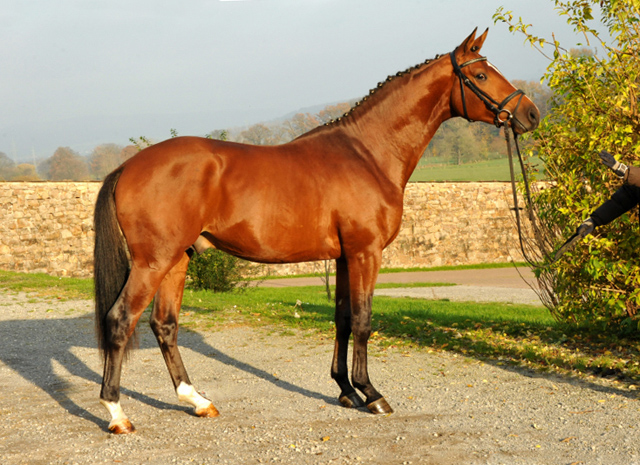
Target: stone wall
47	227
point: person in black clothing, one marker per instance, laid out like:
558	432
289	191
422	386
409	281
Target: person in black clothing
622	200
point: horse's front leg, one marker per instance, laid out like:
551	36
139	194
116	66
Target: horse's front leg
363	272
339	372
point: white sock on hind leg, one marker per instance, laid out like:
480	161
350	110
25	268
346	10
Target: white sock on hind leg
187	393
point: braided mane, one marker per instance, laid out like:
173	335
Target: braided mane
380	85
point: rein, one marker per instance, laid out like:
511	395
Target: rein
497	108
516	207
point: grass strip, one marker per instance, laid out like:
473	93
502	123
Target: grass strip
520	335
45	285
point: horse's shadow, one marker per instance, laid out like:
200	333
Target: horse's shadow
33	357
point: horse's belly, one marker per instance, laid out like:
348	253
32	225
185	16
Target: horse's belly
277	245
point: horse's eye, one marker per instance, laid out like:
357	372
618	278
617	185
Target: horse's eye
481	77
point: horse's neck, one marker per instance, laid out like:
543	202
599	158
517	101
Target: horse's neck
397	122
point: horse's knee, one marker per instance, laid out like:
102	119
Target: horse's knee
361	333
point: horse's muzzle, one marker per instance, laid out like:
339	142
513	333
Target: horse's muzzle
526	119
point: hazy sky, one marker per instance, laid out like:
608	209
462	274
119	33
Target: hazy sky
83	72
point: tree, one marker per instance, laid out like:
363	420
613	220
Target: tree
7	167
141	142
299	124
104	159
259	134
332	112
127	152
218	134
25	172
459	141
66	165
595	107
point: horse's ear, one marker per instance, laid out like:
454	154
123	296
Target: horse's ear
472	44
477	44
468	42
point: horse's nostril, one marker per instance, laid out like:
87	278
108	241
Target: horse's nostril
534	116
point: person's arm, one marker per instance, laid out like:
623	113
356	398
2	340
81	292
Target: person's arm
622	200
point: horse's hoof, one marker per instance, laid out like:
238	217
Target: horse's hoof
380	406
352	400
122	427
207	412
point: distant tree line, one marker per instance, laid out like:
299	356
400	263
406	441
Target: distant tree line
456	142
67	165
284	131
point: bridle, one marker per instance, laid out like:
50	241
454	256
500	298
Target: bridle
495	107
498	109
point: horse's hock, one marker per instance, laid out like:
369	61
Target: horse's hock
48	227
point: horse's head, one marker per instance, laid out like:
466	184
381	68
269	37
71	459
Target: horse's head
484	94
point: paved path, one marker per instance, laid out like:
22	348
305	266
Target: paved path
511	285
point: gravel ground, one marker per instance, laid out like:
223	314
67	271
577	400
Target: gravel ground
278	403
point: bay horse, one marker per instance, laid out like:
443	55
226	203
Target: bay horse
335	193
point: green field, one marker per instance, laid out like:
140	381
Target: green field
490	170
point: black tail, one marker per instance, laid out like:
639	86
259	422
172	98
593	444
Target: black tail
110	259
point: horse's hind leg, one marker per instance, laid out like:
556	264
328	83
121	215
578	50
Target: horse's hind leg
339	371
120	323
164	323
